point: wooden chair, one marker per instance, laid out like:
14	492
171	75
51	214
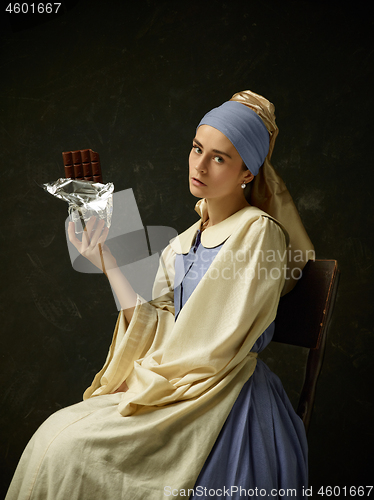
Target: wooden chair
303	319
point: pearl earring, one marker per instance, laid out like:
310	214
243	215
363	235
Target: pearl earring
243	185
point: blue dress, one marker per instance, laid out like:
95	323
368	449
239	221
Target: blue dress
263	442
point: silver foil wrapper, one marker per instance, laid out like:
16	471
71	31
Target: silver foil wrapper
85	199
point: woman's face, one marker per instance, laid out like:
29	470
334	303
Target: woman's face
216	163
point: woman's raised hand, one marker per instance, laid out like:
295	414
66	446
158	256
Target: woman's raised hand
94	249
92	245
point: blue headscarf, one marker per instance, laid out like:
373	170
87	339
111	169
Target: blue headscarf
245	130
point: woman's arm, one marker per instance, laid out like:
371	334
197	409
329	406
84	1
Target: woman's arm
94	249
126	295
131	341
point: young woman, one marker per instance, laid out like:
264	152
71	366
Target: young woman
182	406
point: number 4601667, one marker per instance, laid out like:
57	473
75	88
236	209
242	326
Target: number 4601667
351	491
33	8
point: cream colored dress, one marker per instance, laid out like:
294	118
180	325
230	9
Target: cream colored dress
183	376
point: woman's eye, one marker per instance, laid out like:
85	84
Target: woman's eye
197	149
218	159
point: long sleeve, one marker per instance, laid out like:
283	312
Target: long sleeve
132	340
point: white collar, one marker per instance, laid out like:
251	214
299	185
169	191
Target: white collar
217	234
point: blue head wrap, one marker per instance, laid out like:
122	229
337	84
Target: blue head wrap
244	128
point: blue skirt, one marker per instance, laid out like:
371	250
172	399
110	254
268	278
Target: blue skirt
263	442
261	445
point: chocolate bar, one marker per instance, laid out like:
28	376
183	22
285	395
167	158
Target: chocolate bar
82	164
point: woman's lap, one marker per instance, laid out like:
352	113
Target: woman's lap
70	451
81	449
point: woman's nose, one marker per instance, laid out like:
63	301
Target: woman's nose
200	165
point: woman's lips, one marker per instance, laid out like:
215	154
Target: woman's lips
196	182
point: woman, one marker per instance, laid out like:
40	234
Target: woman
152	424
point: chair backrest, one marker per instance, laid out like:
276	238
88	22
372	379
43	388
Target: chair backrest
303	319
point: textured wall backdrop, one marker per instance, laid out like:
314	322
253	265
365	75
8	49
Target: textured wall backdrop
131	79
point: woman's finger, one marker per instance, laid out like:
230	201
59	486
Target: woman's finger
87	233
104	235
97	233
85	241
72	237
90	225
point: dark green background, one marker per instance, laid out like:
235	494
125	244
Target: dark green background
131	80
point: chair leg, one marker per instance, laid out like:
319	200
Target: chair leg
313	369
